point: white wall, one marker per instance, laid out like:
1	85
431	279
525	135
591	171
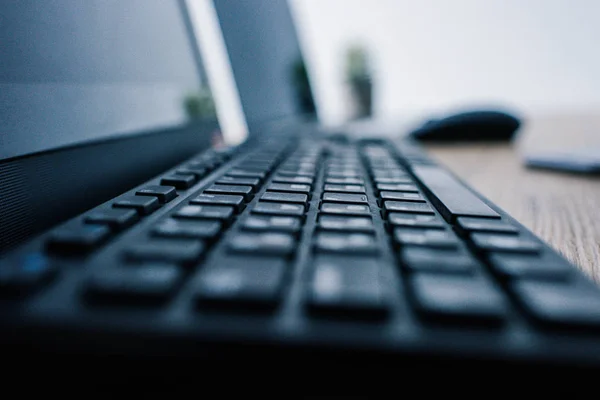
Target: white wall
536	55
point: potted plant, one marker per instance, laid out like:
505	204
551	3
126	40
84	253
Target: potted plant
358	74
199	105
301	83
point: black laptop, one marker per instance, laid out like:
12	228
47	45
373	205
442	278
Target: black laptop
139	245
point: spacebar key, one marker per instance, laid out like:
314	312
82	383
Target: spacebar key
450	196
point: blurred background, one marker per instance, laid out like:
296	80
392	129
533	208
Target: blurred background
536	56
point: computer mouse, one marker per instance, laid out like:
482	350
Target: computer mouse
470	126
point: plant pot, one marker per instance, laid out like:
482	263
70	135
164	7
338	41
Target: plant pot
362	91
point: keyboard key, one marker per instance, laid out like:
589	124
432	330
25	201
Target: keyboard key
388	171
560	304
397	187
457	299
77	239
353	168
270	243
180	251
348	164
272	223
349	173
237	202
342	164
383	162
241	173
387	165
312	158
347	287
226	151
507	243
289	187
531	267
453	199
347	209
299	163
245	191
279	209
261	166
419	259
192	229
116	219
345	198
258	162
25	273
208	212
397	180
415	220
208	164
346	224
163	193
346	243
419	160
485	225
343	170
180	181
387	168
144	205
390	174
350	167
345	188
296	172
141	284
232	180
407	206
209	158
302	163
402	196
425	237
345	181
293	179
285	197
192	169
247	283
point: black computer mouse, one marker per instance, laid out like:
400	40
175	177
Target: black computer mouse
482	125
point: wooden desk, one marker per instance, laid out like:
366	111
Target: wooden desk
564	210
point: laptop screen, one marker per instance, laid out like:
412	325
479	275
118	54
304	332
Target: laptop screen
74	71
266	59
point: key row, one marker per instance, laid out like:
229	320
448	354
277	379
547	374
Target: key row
342	284
33	270
184	236
344	221
445	279
97	226
181	239
337	283
273	224
194	170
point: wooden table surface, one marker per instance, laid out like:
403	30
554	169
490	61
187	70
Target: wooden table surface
562	209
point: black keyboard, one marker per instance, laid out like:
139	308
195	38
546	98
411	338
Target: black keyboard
328	245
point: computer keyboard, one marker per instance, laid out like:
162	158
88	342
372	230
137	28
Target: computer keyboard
316	242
